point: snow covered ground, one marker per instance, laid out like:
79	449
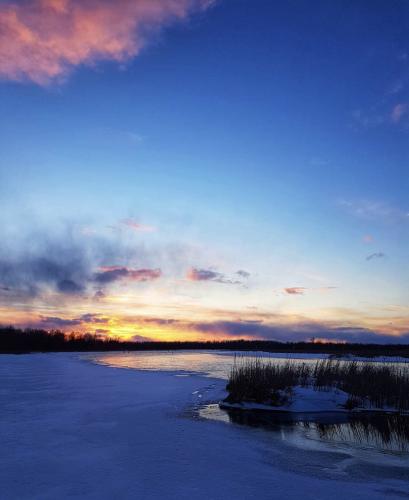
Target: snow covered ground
73	429
310	400
303	400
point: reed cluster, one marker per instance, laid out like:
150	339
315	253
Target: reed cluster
377	385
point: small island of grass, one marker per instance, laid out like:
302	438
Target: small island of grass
321	386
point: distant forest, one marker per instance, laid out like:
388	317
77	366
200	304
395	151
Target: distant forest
18	341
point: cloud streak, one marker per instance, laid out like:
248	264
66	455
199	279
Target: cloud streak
375	255
56	322
302	331
110	274
43	40
301	290
243	274
374	210
195	274
137	226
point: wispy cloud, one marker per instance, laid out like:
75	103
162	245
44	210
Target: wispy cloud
132	137
373	210
398	112
99	295
57	322
375	255
243	274
316	161
93	318
110	274
43	40
326	289
137	226
301	290
368	119
195	274
51	322
396	87
381	114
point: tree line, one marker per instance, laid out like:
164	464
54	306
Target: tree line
16	340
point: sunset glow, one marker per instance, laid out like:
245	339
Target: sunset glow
186	170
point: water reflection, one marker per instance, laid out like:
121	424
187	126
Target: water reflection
379	431
181	363
390	432
216	364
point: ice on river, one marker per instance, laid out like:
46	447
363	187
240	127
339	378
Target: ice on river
73	429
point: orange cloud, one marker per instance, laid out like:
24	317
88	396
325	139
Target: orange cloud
42	40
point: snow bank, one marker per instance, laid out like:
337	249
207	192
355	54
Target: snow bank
303	400
309	400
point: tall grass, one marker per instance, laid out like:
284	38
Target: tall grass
368	384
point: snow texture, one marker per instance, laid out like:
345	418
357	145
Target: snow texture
73	429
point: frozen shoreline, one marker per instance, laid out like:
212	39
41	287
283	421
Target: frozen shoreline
303	400
73	429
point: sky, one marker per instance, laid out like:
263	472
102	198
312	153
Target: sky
198	169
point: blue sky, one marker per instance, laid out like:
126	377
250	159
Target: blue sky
247	135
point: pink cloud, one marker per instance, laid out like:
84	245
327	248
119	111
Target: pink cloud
42	40
398	112
136	226
295	290
367	238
